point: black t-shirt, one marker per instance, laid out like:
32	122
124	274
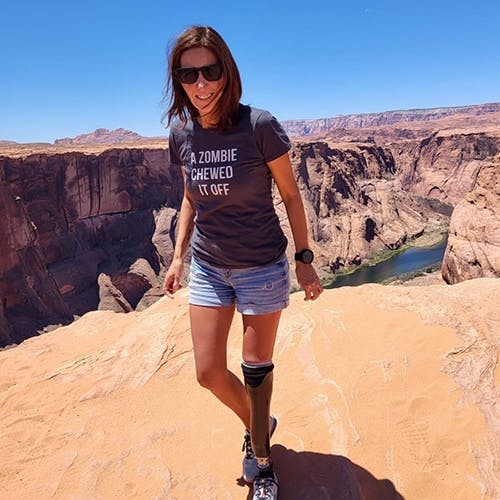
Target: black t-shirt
227	176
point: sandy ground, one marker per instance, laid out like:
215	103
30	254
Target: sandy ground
380	392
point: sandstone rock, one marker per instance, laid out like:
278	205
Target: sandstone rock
444	166
381	392
86	214
164	235
6	332
302	128
355	205
110	297
134	283
473	248
28	292
73	216
103	136
462	170
104	213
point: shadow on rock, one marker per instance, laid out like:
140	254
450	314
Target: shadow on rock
306	475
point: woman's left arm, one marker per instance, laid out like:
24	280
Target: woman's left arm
281	170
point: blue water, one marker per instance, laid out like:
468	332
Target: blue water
409	261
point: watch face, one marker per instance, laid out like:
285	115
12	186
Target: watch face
307	256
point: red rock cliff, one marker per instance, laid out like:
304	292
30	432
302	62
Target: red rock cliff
473	249
89	231
355	203
69	217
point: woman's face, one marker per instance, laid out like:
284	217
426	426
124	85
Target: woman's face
203	93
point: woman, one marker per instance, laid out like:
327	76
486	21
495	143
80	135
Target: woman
229	155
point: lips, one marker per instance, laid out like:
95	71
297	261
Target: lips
204	97
205	102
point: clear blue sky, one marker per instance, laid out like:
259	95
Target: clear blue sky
67	68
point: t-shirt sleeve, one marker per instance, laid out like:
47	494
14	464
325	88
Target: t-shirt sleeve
173	151
271	138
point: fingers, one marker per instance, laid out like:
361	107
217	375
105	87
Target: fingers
312	291
309	281
172	281
171	285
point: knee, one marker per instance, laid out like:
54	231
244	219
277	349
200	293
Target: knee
209	378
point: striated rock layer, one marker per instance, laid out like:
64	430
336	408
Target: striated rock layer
473	248
355	203
96	230
69	217
302	128
461	169
103	226
29	294
445	166
380	392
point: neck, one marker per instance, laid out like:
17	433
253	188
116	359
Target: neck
207	121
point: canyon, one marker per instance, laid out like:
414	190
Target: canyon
70	217
89	226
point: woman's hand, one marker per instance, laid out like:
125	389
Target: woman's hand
308	280
172	281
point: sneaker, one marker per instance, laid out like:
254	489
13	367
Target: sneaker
265	486
249	460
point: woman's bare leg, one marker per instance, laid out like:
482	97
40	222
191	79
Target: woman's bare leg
209	331
259	336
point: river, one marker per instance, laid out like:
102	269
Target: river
407	262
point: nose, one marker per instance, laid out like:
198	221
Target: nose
200	81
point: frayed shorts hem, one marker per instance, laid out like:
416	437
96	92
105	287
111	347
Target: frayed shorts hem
250	309
254	290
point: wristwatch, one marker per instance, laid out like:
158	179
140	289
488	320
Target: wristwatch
306	256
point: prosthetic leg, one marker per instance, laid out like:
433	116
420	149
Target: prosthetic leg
259	384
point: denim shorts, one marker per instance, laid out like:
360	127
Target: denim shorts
254	290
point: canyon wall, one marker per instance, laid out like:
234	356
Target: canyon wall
101	227
69	218
444	165
460	169
96	230
29	294
355	203
473	249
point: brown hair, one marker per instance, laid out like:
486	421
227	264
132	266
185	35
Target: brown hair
179	103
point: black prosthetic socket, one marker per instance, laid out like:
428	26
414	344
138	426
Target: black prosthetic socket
259	385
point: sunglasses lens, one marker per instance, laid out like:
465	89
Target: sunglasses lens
187	75
212	72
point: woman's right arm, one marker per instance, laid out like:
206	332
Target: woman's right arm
172	281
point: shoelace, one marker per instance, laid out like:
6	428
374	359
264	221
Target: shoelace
263	487
247	446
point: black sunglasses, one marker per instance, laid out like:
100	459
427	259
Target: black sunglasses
211	73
